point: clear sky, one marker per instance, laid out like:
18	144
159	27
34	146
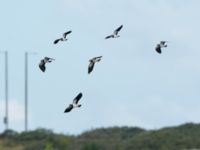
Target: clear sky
131	86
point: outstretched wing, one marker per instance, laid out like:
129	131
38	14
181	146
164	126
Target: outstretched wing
162	42
118	29
110	36
77	98
158	49
69	108
90	67
56	41
42	66
48	59
99	57
66	33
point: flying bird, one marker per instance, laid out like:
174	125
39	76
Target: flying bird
160	46
43	63
74	104
92	63
115	33
63	38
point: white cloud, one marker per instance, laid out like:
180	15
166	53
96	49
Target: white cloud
152	112
16	111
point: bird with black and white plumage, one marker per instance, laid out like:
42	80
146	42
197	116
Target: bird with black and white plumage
160	46
115	33
92	63
63	38
75	103
43	63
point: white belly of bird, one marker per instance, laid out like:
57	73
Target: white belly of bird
75	105
116	36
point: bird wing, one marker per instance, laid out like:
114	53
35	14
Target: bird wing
69	108
158	49
42	66
66	33
48	59
77	98
99	57
56	41
118	29
110	36
90	67
162	42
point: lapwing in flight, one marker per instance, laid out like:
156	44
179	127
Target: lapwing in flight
43	63
160	46
115	33
63	38
74	104
92	63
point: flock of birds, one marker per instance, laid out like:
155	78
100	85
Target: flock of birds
75	103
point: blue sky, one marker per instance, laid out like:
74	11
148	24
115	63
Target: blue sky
132	85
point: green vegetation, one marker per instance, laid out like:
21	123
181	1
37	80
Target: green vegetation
184	137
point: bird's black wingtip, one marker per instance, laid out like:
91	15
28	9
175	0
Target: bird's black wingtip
80	95
121	27
159	52
106	38
67	110
89	72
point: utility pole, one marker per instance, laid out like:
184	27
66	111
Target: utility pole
26	91
5	120
26	88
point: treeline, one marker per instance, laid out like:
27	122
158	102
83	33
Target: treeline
184	137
